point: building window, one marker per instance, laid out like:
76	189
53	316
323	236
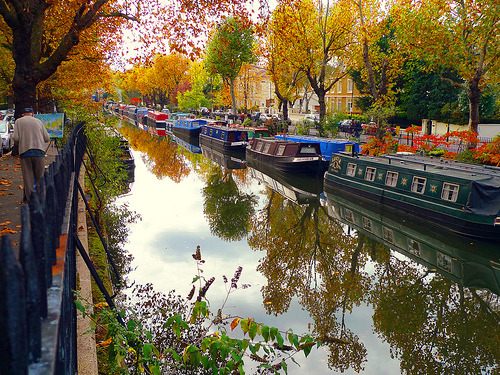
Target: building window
349	86
349	104
370	174
418	185
339	104
391	179
339	86
450	192
351	169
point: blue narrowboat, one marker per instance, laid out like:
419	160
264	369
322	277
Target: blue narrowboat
328	146
188	128
218	136
461	197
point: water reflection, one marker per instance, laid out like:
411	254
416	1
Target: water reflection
424	291
227	210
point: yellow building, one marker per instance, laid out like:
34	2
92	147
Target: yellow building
342	97
254	88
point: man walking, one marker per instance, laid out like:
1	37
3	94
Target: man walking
31	136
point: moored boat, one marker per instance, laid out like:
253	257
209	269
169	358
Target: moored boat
462	197
328	146
156	122
253	132
218	136
288	156
141	117
188	127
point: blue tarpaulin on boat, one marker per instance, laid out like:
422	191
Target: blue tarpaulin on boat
484	198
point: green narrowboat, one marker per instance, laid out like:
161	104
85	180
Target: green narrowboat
464	198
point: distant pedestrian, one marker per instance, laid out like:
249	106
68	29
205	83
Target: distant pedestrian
31	136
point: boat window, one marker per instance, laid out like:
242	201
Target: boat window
418	185
308	150
351	169
388	234
281	150
367	224
450	192
414	247
221	135
266	148
259	146
211	131
348	215
444	261
391	179
370	174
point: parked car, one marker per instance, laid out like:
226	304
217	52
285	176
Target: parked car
350	126
312	118
255	116
371	129
264	117
9	117
6	130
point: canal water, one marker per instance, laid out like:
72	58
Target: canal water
401	296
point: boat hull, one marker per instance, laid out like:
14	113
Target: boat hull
222	145
313	165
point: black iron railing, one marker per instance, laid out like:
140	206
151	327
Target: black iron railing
37	309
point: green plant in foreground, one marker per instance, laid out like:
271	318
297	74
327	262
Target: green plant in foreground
169	334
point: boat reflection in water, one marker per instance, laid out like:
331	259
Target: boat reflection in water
299	189
470	263
228	160
187	143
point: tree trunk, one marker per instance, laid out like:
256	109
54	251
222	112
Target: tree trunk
369	71
474	94
24	87
233	96
284	102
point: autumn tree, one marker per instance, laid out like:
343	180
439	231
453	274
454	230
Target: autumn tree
315	40
167	74
45	33
457	35
230	46
200	84
284	74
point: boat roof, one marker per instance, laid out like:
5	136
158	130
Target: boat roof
313	138
434	165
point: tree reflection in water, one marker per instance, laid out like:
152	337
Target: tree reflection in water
308	256
433	325
228	211
161	156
